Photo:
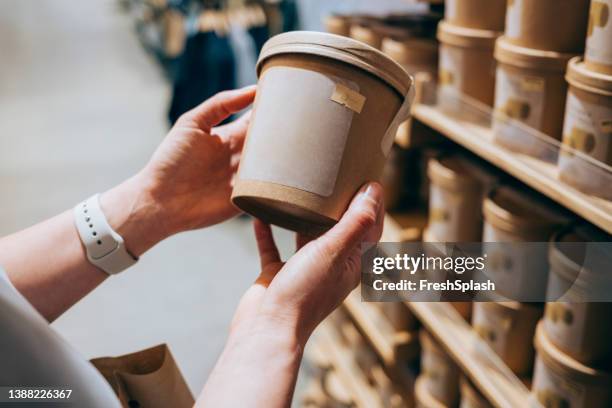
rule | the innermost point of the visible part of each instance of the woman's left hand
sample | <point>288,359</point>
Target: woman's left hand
<point>187,184</point>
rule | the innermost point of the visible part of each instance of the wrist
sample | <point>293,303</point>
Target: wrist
<point>134,214</point>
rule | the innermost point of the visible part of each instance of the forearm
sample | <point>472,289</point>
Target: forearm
<point>47,262</point>
<point>258,368</point>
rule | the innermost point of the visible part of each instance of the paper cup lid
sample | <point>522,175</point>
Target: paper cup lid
<point>453,173</point>
<point>579,76</point>
<point>466,37</point>
<point>339,48</point>
<point>512,210</point>
<point>565,365</point>
<point>398,48</point>
<point>511,54</point>
<point>574,263</point>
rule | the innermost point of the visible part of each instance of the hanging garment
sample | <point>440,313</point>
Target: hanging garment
<point>206,67</point>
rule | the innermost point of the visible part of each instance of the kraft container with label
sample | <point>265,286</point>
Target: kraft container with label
<point>439,371</point>
<point>470,396</point>
<point>325,116</point>
<point>423,397</point>
<point>561,381</point>
<point>516,216</point>
<point>481,14</point>
<point>598,53</point>
<point>413,54</point>
<point>366,34</point>
<point>580,329</point>
<point>456,190</point>
<point>550,25</point>
<point>466,62</point>
<point>588,129</point>
<point>338,24</point>
<point>508,328</point>
<point>531,89</point>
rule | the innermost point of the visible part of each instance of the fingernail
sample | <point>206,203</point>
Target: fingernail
<point>372,192</point>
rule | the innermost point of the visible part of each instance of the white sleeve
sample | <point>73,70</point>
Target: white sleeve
<point>32,354</point>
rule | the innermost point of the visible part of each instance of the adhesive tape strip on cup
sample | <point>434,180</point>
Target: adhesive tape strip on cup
<point>403,114</point>
<point>105,248</point>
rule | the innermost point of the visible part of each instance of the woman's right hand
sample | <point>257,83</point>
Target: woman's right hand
<point>300,293</point>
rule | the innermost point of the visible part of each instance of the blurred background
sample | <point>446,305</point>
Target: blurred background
<point>88,89</point>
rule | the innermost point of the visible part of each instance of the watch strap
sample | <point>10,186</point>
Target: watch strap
<point>105,247</point>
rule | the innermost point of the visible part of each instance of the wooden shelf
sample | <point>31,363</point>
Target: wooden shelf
<point>476,359</point>
<point>394,348</point>
<point>537,174</point>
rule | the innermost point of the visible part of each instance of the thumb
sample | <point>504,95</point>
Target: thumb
<point>362,220</point>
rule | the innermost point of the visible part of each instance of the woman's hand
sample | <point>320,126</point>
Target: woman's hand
<point>277,315</point>
<point>187,184</point>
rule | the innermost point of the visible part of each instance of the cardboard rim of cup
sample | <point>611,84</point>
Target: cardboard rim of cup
<point>452,172</point>
<point>511,54</point>
<point>342,49</point>
<point>466,37</point>
<point>562,363</point>
<point>579,76</point>
<point>511,210</point>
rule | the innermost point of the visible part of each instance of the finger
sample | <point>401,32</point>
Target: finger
<point>234,133</point>
<point>218,108</point>
<point>362,216</point>
<point>268,252</point>
<point>302,239</point>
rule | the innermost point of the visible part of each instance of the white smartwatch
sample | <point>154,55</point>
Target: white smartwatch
<point>105,248</point>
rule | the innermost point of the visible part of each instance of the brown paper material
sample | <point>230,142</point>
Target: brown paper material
<point>348,97</point>
<point>481,14</point>
<point>561,381</point>
<point>306,155</point>
<point>550,25</point>
<point>149,377</point>
<point>466,61</point>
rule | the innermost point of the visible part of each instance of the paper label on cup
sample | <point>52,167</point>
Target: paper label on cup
<point>298,133</point>
<point>587,128</point>
<point>349,98</point>
<point>553,390</point>
<point>492,327</point>
<point>513,18</point>
<point>599,35</point>
<point>564,324</point>
<point>518,97</point>
<point>449,73</point>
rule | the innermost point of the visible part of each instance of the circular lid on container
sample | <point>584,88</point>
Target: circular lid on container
<point>514,211</point>
<point>341,49</point>
<point>466,37</point>
<point>453,173</point>
<point>398,48</point>
<point>565,365</point>
<point>580,254</point>
<point>579,76</point>
<point>422,395</point>
<point>515,55</point>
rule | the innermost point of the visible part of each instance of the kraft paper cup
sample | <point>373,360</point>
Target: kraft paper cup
<point>413,54</point>
<point>530,88</point>
<point>480,14</point>
<point>439,371</point>
<point>456,189</point>
<point>466,62</point>
<point>551,25</point>
<point>508,328</point>
<point>338,24</point>
<point>325,116</point>
<point>598,53</point>
<point>515,216</point>
<point>588,129</point>
<point>560,381</point>
<point>578,328</point>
